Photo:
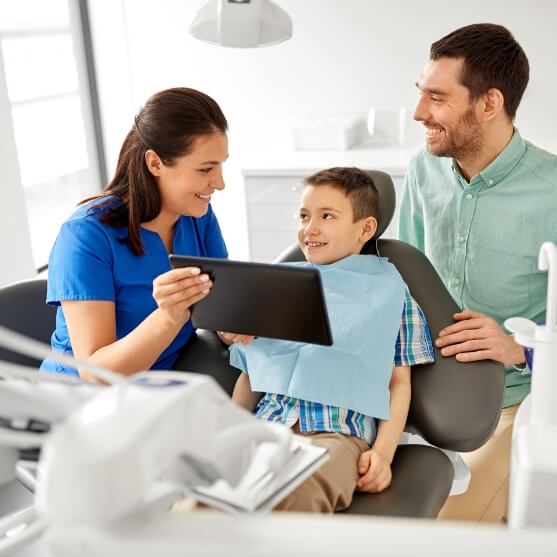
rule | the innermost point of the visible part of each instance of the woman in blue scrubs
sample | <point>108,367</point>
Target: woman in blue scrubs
<point>120,305</point>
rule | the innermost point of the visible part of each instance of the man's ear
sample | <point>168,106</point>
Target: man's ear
<point>369,227</point>
<point>493,103</point>
<point>153,162</point>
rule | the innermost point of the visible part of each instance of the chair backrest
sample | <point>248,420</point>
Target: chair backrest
<point>23,309</point>
<point>454,405</point>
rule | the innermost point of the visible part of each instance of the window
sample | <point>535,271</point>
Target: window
<point>50,89</point>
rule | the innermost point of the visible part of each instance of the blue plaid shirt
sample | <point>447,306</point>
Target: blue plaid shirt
<point>413,346</point>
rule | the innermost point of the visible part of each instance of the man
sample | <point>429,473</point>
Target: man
<point>479,201</point>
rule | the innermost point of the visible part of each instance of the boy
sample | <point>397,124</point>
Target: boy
<point>337,394</point>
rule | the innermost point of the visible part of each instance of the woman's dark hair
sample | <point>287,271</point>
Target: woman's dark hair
<point>169,123</point>
<point>492,59</point>
<point>356,184</point>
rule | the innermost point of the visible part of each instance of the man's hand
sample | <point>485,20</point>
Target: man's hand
<point>478,337</point>
<point>231,338</point>
<point>375,472</point>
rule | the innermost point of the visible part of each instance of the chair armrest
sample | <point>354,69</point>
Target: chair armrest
<point>454,405</point>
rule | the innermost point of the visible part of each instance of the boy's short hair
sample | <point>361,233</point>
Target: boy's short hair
<point>356,184</point>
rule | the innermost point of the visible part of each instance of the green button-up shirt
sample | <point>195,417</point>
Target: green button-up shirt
<point>484,237</point>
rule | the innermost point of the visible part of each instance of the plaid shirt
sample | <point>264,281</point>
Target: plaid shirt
<point>413,346</point>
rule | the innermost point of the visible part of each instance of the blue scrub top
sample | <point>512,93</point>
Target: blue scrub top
<point>90,261</point>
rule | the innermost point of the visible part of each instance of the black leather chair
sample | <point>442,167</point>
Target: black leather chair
<point>23,309</point>
<point>455,406</point>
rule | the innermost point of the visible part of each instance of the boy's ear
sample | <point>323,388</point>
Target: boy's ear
<point>153,162</point>
<point>369,227</point>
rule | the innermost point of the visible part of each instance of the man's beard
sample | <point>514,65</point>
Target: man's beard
<point>465,139</point>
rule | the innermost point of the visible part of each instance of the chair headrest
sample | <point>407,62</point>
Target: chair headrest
<point>386,189</point>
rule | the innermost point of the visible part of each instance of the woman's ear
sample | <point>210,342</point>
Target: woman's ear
<point>153,162</point>
<point>369,227</point>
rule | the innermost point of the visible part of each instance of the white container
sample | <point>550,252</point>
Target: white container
<point>331,133</point>
<point>387,126</point>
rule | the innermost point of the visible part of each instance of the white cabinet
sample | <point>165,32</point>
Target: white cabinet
<point>273,207</point>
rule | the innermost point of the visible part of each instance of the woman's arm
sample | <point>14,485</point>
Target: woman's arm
<point>92,324</point>
<point>375,464</point>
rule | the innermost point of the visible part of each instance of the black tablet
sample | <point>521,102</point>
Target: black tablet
<point>260,299</point>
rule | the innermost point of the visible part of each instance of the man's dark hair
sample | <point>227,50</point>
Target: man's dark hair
<point>492,59</point>
<point>356,184</point>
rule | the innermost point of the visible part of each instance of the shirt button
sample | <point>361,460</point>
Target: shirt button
<point>469,196</point>
<point>456,280</point>
<point>490,182</point>
<point>461,238</point>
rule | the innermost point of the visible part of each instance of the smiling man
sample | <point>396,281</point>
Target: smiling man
<point>479,201</point>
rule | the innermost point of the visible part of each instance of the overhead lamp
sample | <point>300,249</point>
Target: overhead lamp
<point>241,23</point>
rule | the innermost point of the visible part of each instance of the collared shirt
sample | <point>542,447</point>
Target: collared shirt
<point>483,237</point>
<point>413,346</point>
<point>90,261</point>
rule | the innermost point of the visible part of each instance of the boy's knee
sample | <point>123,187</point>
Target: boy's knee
<point>306,499</point>
<point>316,495</point>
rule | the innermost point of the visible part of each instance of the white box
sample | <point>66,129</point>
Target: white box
<point>331,133</point>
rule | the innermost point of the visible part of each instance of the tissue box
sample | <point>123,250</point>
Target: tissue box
<point>333,133</point>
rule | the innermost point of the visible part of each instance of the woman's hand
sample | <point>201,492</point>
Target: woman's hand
<point>231,338</point>
<point>177,290</point>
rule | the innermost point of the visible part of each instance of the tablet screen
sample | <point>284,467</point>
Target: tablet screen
<point>260,299</point>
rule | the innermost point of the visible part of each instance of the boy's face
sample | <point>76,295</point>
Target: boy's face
<point>327,231</point>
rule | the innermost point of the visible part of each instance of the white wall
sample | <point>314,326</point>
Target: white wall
<point>345,56</point>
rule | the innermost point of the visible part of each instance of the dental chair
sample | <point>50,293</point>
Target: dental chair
<point>23,309</point>
<point>455,406</point>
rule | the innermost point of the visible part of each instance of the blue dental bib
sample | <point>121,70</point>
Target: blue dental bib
<point>365,297</point>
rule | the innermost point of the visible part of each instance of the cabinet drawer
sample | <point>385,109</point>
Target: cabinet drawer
<point>274,217</point>
<point>274,189</point>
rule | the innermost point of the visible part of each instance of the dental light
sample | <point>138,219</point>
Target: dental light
<point>241,23</point>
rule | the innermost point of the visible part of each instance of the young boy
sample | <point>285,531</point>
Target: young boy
<point>352,397</point>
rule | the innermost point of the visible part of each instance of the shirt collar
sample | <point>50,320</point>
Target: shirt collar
<point>505,161</point>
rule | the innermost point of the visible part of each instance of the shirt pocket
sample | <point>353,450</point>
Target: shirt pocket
<point>497,282</point>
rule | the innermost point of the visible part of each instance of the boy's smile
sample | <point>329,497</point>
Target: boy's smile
<point>327,231</point>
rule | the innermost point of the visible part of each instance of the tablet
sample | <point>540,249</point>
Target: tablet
<point>260,299</point>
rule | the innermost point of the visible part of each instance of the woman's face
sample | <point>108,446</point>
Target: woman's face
<point>186,186</point>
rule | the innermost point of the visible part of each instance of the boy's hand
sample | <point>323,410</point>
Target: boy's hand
<point>231,338</point>
<point>375,472</point>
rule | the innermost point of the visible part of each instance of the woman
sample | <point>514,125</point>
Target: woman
<point>120,305</point>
